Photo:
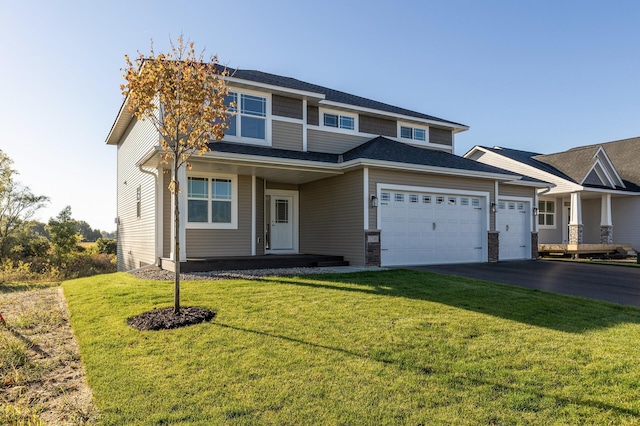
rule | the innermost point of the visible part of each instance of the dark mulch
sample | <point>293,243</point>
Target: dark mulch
<point>164,319</point>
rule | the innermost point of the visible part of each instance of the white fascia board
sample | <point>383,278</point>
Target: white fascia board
<point>597,164</point>
<point>616,176</point>
<point>610,191</point>
<point>456,127</point>
<point>120,124</point>
<point>148,156</point>
<point>427,169</point>
<point>548,177</point>
<point>529,183</point>
<point>274,88</point>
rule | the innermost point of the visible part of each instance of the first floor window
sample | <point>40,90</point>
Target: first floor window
<point>547,213</point>
<point>209,200</point>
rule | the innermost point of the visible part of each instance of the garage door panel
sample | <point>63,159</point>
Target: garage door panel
<point>427,228</point>
<point>512,223</point>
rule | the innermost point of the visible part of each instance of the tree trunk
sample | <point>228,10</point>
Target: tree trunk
<point>176,241</point>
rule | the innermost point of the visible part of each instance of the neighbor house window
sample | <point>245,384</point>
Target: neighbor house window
<point>339,121</point>
<point>415,133</point>
<point>211,201</point>
<point>547,213</point>
<point>250,119</point>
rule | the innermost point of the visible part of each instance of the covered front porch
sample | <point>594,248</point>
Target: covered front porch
<point>587,250</point>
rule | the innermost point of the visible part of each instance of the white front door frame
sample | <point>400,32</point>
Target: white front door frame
<point>295,217</point>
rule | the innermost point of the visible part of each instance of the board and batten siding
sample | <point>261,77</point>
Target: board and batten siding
<point>136,235</point>
<point>440,136</point>
<point>378,126</point>
<point>332,142</point>
<point>429,181</point>
<point>286,135</point>
<point>286,107</point>
<point>225,242</point>
<point>332,218</point>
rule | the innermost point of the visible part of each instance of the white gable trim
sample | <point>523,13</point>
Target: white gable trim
<point>603,158</point>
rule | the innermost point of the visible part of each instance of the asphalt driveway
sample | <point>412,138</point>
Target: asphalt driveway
<point>611,283</point>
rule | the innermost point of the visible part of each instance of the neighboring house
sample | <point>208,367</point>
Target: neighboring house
<point>595,196</point>
<point>311,170</point>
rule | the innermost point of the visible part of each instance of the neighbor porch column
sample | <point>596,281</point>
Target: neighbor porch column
<point>575,221</point>
<point>182,203</point>
<point>606,225</point>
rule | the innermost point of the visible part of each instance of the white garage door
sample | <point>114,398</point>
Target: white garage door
<point>428,228</point>
<point>512,221</point>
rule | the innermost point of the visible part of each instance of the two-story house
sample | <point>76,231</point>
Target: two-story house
<point>311,170</point>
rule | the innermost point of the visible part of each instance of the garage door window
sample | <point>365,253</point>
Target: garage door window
<point>399,198</point>
<point>426,199</point>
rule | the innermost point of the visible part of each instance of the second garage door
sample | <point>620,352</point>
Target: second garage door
<point>430,228</point>
<point>512,221</point>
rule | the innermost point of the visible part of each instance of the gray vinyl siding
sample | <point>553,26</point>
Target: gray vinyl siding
<point>313,115</point>
<point>553,236</point>
<point>378,126</point>
<point>332,142</point>
<point>625,215</point>
<point>516,191</point>
<point>225,242</point>
<point>136,235</point>
<point>280,185</point>
<point>167,215</point>
<point>287,135</point>
<point>260,216</point>
<point>286,107</point>
<point>331,217</point>
<point>440,136</point>
<point>591,221</point>
<point>426,180</point>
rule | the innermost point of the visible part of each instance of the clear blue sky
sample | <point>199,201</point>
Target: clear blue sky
<point>536,75</point>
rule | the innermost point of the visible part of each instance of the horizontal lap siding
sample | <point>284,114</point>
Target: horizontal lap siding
<point>225,242</point>
<point>591,221</point>
<point>313,115</point>
<point>424,180</point>
<point>552,236</point>
<point>516,191</point>
<point>287,135</point>
<point>167,215</point>
<point>332,142</point>
<point>331,217</point>
<point>625,214</point>
<point>136,235</point>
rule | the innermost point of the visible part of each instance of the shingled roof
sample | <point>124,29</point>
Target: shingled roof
<point>379,148</point>
<point>330,94</point>
<point>574,164</point>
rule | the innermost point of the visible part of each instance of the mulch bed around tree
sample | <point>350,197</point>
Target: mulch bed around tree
<point>164,319</point>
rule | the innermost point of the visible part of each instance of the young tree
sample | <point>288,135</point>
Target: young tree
<point>64,236</point>
<point>17,204</point>
<point>182,94</point>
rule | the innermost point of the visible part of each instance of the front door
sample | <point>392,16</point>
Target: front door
<point>281,226</point>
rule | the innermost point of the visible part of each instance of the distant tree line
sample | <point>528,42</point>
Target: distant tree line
<point>33,249</point>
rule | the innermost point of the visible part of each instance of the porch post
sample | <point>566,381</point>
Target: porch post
<point>182,203</point>
<point>575,221</point>
<point>606,225</point>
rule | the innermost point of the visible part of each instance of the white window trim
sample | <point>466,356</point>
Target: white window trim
<point>268,118</point>
<point>234,202</point>
<point>323,111</point>
<point>555,214</point>
<point>425,142</point>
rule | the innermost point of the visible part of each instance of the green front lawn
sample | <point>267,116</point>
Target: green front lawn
<point>391,347</point>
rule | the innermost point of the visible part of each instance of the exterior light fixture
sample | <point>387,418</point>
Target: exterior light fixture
<point>493,208</point>
<point>535,211</point>
<point>374,201</point>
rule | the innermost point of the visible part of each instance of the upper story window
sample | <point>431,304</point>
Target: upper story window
<point>250,119</point>
<point>413,133</point>
<point>339,121</point>
<point>212,202</point>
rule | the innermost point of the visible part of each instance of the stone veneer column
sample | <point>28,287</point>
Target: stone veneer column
<point>575,234</point>
<point>494,246</point>
<point>534,245</point>
<point>372,247</point>
<point>606,234</point>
